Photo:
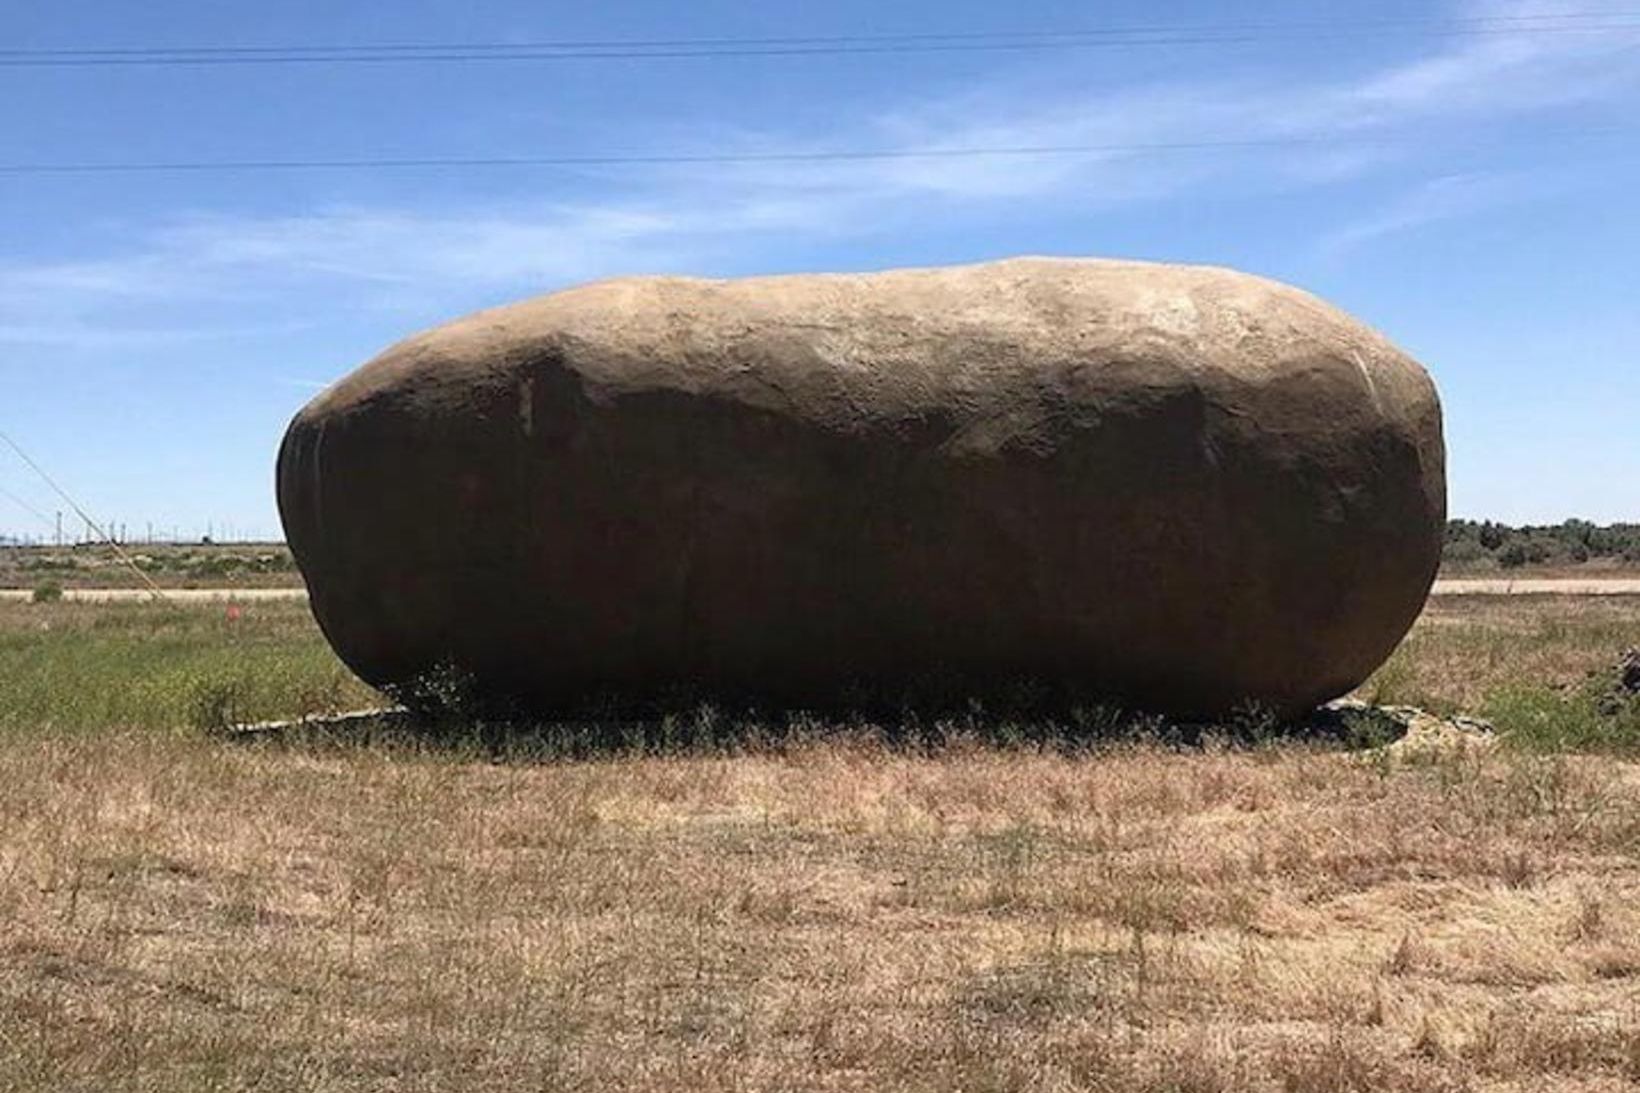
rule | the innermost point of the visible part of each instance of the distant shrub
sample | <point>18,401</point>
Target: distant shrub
<point>48,592</point>
<point>212,567</point>
<point>51,562</point>
<point>1466,552</point>
<point>1520,550</point>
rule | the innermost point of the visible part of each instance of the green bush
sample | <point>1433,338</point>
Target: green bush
<point>1465,552</point>
<point>48,592</point>
<point>1522,551</point>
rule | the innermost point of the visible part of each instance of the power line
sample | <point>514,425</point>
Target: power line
<point>22,504</point>
<point>720,158</point>
<point>153,588</point>
<point>1456,23</point>
<point>1585,22</point>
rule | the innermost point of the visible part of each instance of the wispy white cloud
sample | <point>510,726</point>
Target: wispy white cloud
<point>76,333</point>
<point>1444,198</point>
<point>690,216</point>
<point>299,382</point>
<point>384,253</point>
<point>1337,126</point>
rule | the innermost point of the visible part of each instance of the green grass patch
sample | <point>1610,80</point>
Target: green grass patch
<point>1589,718</point>
<point>1539,668</point>
<point>72,666</point>
<point>1470,654</point>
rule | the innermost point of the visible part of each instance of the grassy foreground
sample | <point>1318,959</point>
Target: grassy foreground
<point>91,667</point>
<point>827,912</point>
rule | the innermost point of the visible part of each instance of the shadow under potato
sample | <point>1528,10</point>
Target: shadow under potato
<point>611,729</point>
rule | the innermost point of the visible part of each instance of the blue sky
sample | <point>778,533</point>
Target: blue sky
<point>1475,194</point>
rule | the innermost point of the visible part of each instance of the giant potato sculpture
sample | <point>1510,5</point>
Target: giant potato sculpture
<point>1181,488</point>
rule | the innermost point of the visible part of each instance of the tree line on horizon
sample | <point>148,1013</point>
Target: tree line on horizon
<point>1470,544</point>
<point>1481,544</point>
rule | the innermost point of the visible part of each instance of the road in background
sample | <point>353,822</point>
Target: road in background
<point>178,595</point>
<point>1538,586</point>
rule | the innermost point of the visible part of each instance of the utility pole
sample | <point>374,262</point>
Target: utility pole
<point>59,527</point>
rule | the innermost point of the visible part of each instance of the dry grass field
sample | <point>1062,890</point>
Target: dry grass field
<point>814,907</point>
